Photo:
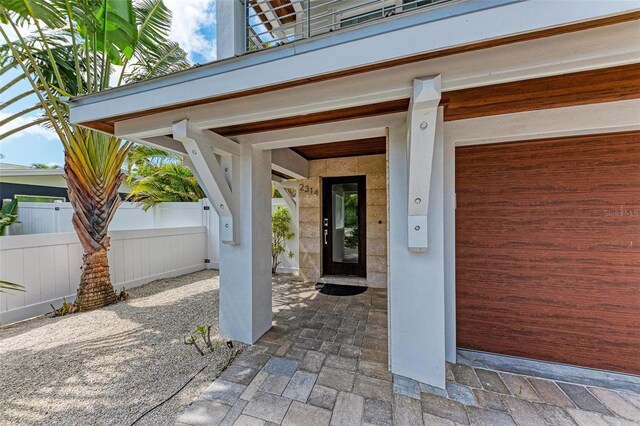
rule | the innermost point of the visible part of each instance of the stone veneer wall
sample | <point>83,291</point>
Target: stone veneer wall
<point>310,198</point>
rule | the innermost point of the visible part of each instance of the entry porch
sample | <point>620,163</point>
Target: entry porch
<point>518,267</point>
<point>325,362</point>
<point>397,155</point>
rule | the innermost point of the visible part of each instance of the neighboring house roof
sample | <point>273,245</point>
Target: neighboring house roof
<point>5,172</point>
<point>10,166</point>
<point>27,175</point>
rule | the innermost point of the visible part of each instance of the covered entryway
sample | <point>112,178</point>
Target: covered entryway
<point>548,250</point>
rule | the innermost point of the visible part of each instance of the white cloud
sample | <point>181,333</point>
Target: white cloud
<point>115,75</point>
<point>190,17</point>
<point>24,31</point>
<point>36,131</point>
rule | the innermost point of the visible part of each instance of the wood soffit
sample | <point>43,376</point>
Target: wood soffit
<point>585,87</point>
<point>351,148</point>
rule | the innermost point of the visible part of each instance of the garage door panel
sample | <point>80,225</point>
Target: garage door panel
<point>500,302</point>
<point>537,313</point>
<point>524,183</point>
<point>547,250</point>
<point>545,264</point>
<point>567,330</point>
<point>563,166</point>
<point>591,152</point>
<point>519,342</point>
<point>609,204</point>
<point>552,234</point>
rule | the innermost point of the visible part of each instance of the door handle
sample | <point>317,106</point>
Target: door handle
<point>326,232</point>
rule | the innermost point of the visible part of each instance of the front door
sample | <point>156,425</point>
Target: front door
<point>344,226</point>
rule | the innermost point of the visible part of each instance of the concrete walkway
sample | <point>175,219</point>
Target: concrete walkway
<point>324,363</point>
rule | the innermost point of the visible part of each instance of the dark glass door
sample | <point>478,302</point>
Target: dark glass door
<point>344,226</point>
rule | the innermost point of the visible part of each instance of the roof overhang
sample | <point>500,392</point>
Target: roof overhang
<point>412,39</point>
<point>31,172</point>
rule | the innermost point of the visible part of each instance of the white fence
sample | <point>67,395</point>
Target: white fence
<point>170,239</point>
<point>45,218</point>
<point>43,253</point>
<point>48,265</point>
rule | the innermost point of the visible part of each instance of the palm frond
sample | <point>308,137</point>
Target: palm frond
<point>165,183</point>
<point>23,12</point>
<point>36,122</point>
<point>165,58</point>
<point>6,286</point>
<point>155,54</point>
<point>140,155</point>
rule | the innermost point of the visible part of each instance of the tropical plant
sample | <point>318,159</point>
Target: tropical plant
<point>202,332</point>
<point>143,155</point>
<point>66,308</point>
<point>73,49</point>
<point>45,166</point>
<point>156,176</point>
<point>8,214</point>
<point>281,232</point>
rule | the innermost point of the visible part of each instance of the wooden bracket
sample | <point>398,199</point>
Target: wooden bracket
<point>422,119</point>
<point>215,177</point>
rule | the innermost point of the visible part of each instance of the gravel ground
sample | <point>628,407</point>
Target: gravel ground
<point>111,365</point>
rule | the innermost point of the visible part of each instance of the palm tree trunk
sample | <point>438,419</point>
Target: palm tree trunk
<point>95,289</point>
<point>93,193</point>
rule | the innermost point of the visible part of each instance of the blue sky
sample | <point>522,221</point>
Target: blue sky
<point>193,27</point>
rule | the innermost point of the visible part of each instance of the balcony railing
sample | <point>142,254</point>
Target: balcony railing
<point>270,23</point>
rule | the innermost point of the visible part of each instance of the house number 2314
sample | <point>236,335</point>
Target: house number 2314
<point>308,189</point>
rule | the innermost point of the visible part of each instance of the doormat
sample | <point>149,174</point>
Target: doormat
<point>340,290</point>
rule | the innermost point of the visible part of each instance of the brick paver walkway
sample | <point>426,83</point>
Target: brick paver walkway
<point>324,363</point>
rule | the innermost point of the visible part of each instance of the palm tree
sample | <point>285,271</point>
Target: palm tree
<point>73,49</point>
<point>157,177</point>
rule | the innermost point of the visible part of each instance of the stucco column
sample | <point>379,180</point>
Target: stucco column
<point>416,279</point>
<point>450,246</point>
<point>245,268</point>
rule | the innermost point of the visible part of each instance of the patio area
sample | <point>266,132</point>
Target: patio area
<point>324,363</point>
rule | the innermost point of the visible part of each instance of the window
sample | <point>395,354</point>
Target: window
<point>413,4</point>
<point>358,19</point>
<point>38,198</point>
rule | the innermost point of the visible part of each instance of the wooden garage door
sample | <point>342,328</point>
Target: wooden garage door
<point>548,250</point>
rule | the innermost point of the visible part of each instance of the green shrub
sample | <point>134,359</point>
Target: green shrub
<point>8,215</point>
<point>281,232</point>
